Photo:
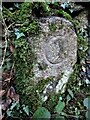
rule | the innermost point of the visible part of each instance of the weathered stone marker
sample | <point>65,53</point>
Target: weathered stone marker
<point>56,51</point>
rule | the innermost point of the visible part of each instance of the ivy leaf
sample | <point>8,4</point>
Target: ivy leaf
<point>86,103</point>
<point>14,104</point>
<point>26,109</point>
<point>41,112</point>
<point>64,5</point>
<point>60,106</point>
<point>16,5</point>
<point>18,34</point>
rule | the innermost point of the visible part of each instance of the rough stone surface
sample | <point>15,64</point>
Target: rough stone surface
<point>56,50</point>
<point>83,19</point>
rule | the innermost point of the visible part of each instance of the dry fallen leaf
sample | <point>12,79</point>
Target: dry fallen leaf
<point>2,92</point>
<point>5,75</point>
<point>12,48</point>
<point>88,61</point>
<point>8,101</point>
<point>11,92</point>
<point>8,79</point>
<point>1,117</point>
<point>4,105</point>
<point>16,97</point>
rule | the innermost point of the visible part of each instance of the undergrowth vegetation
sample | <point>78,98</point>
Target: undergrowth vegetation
<point>21,21</point>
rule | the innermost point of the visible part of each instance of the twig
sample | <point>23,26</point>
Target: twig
<point>10,25</point>
<point>12,68</point>
<point>6,41</point>
<point>5,45</point>
<point>75,116</point>
<point>18,25</point>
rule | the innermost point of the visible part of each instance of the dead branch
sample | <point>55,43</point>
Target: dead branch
<point>6,40</point>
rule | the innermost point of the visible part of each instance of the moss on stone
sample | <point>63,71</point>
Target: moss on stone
<point>31,91</point>
<point>52,27</point>
<point>82,42</point>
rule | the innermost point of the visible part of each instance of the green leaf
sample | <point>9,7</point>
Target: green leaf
<point>26,110</point>
<point>65,14</point>
<point>16,5</point>
<point>18,35</point>
<point>70,93</point>
<point>87,81</point>
<point>60,106</point>
<point>68,98</point>
<point>88,115</point>
<point>86,103</point>
<point>14,104</point>
<point>9,113</point>
<point>60,98</point>
<point>41,112</point>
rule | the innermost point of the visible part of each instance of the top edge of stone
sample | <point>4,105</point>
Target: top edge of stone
<point>52,19</point>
